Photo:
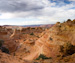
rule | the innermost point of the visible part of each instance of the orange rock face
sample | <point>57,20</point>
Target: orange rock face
<point>49,44</point>
<point>19,42</point>
<point>28,43</point>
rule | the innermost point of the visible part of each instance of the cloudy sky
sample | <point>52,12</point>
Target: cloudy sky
<point>30,12</point>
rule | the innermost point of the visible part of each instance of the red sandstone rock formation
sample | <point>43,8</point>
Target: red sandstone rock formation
<point>49,44</point>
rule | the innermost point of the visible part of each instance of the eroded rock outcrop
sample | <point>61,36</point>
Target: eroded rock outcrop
<point>49,44</point>
<point>6,58</point>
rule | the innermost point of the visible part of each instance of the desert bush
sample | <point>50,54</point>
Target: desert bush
<point>67,49</point>
<point>58,22</point>
<point>74,21</point>
<point>32,33</point>
<point>58,55</point>
<point>68,20</point>
<point>1,42</point>
<point>51,38</point>
<point>42,57</point>
<point>38,36</point>
<point>32,28</point>
<point>5,50</point>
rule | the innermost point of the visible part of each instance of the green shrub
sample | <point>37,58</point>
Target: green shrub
<point>5,50</point>
<point>68,20</point>
<point>1,42</point>
<point>74,21</point>
<point>32,33</point>
<point>51,39</point>
<point>50,58</point>
<point>58,55</point>
<point>32,28</point>
<point>42,57</point>
<point>67,49</point>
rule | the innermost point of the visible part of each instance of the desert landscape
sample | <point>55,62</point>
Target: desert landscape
<point>37,31</point>
<point>51,44</point>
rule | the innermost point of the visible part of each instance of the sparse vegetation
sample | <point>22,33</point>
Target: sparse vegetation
<point>5,50</point>
<point>50,58</point>
<point>74,21</point>
<point>24,40</point>
<point>51,38</point>
<point>58,22</point>
<point>67,49</point>
<point>42,57</point>
<point>58,55</point>
<point>32,33</point>
<point>68,20</point>
<point>32,28</point>
<point>38,36</point>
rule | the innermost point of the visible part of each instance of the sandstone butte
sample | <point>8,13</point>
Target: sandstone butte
<point>57,43</point>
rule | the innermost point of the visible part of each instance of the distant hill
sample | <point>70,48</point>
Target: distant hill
<point>41,25</point>
<point>47,26</point>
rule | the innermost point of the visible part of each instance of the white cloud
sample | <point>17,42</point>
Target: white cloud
<point>43,11</point>
<point>6,16</point>
<point>71,0</point>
